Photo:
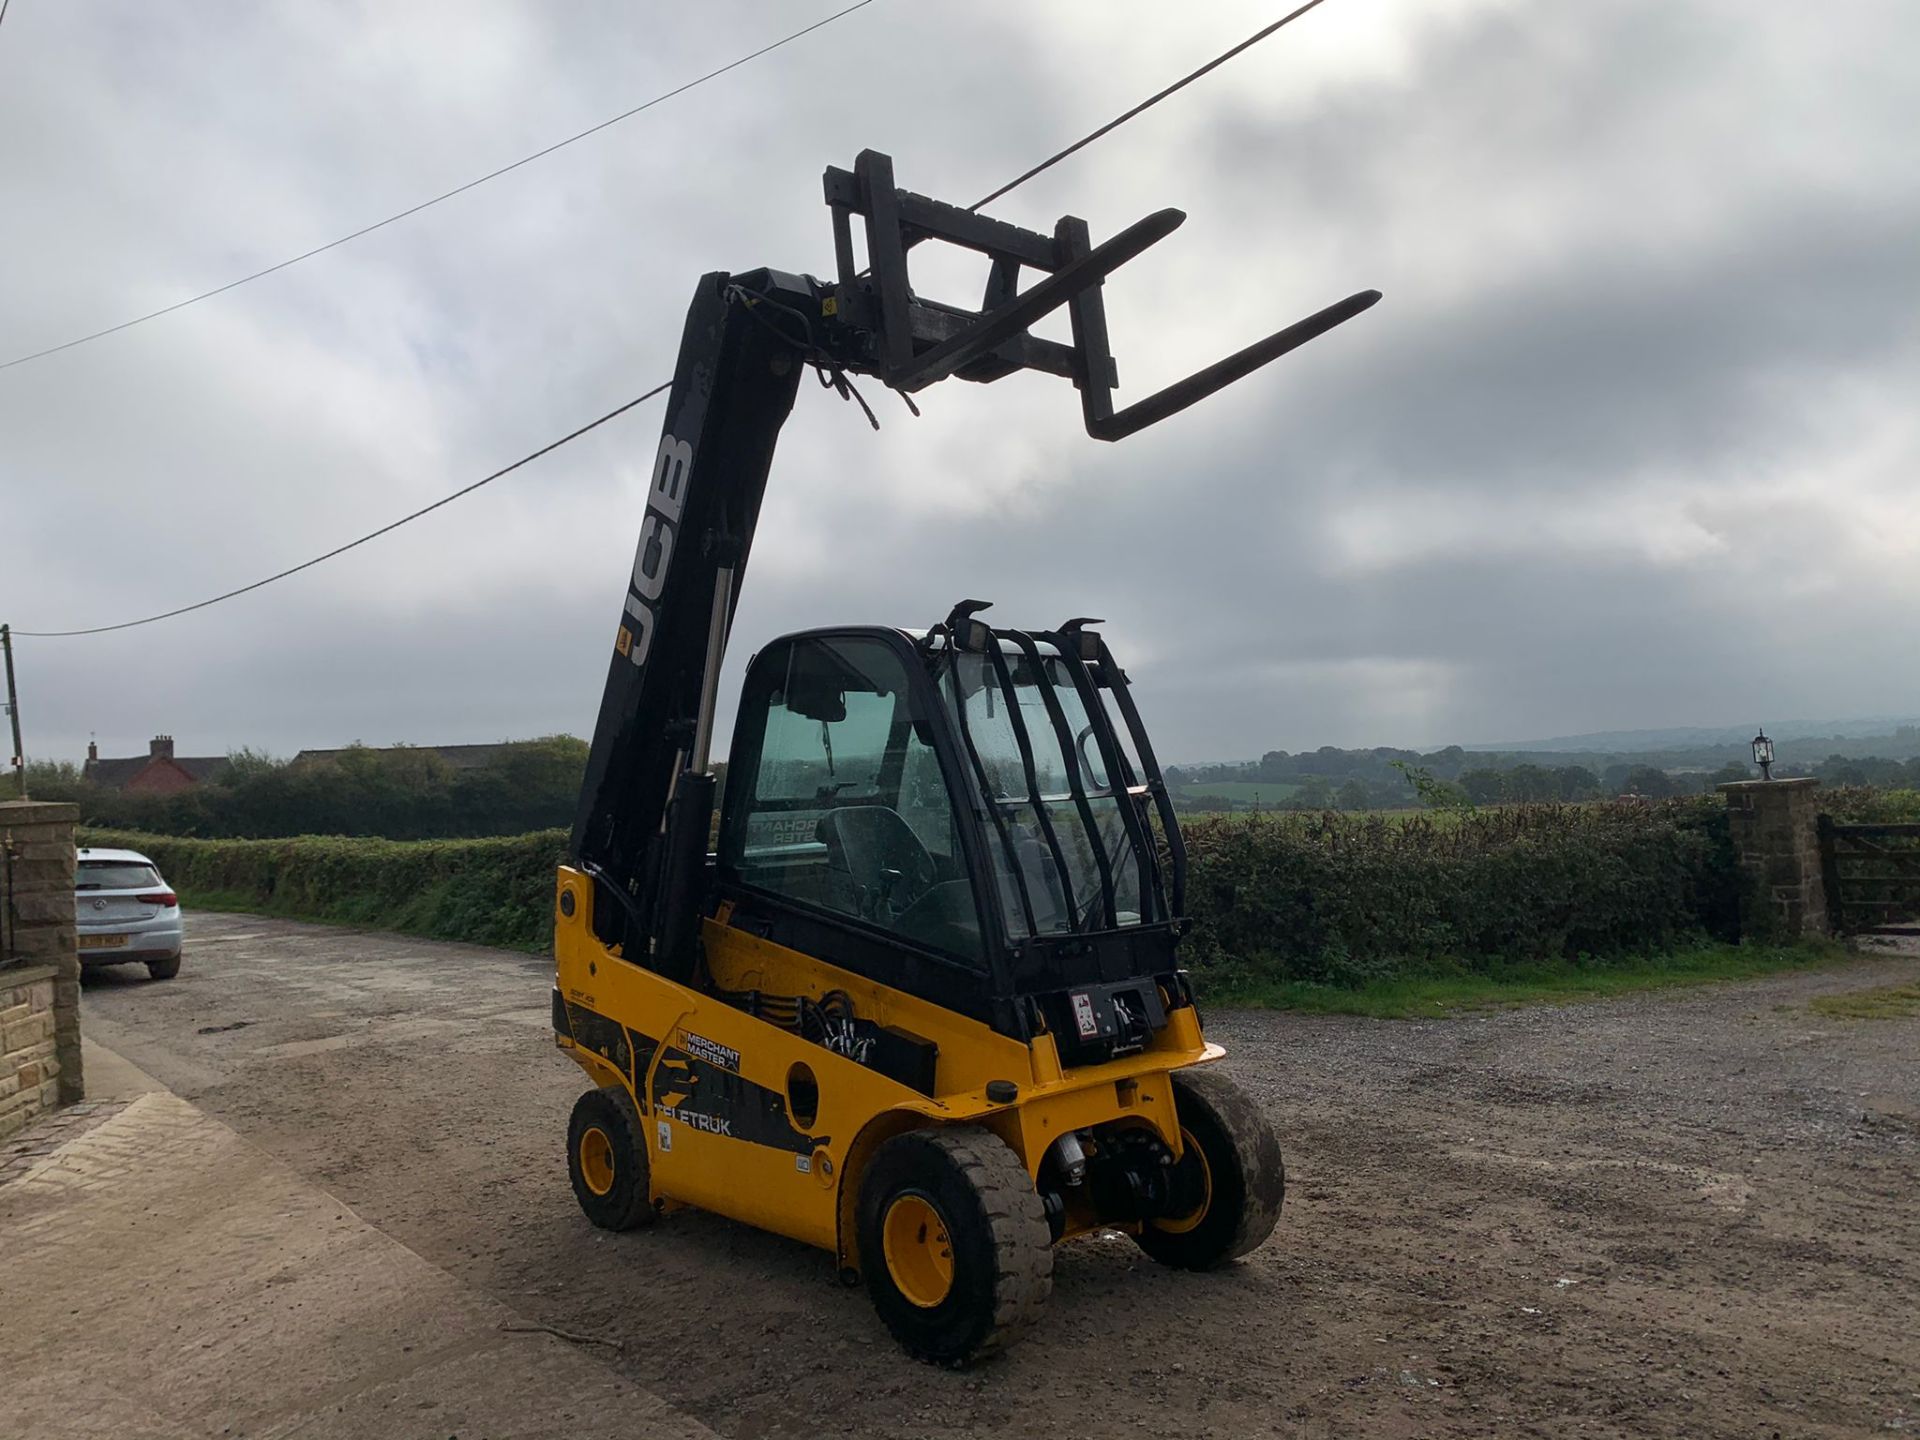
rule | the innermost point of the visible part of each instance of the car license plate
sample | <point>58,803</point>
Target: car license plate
<point>101,942</point>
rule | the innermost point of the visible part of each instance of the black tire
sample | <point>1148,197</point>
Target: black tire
<point>607,1160</point>
<point>163,969</point>
<point>1000,1251</point>
<point>1246,1180</point>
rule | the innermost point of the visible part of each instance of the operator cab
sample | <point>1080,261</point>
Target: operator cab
<point>967,814</point>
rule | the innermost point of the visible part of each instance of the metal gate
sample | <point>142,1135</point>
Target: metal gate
<point>1872,877</point>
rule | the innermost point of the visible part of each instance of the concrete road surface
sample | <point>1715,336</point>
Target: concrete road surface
<point>1689,1213</point>
<point>164,1279</point>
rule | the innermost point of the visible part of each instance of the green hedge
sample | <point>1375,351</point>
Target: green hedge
<point>490,892</point>
<point>1343,900</point>
<point>1329,899</point>
<point>1866,805</point>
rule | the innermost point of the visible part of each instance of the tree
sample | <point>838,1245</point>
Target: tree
<point>246,764</point>
<point>1575,782</point>
<point>1434,794</point>
<point>1530,784</point>
<point>47,780</point>
<point>1727,774</point>
<point>1314,793</point>
<point>1484,786</point>
<point>403,794</point>
<point>1838,770</point>
<point>1274,765</point>
<point>1351,796</point>
<point>1653,783</point>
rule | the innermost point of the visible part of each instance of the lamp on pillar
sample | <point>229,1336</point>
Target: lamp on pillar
<point>1763,755</point>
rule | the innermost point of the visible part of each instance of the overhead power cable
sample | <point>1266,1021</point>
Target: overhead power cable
<point>353,544</point>
<point>427,204</point>
<point>1013,184</point>
<point>1146,104</point>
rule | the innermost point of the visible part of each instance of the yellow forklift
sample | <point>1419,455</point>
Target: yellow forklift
<point>922,1006</point>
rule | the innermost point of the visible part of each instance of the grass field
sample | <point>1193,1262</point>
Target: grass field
<point>1889,1002</point>
<point>1438,817</point>
<point>1240,792</point>
<point>1414,997</point>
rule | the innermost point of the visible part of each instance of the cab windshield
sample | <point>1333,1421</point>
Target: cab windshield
<point>1070,851</point>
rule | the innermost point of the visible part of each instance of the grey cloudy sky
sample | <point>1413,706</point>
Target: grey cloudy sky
<point>1631,441</point>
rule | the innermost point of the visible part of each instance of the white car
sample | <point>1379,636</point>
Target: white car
<point>125,914</point>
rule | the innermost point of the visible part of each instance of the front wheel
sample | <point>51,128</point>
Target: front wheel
<point>1232,1161</point>
<point>607,1160</point>
<point>954,1244</point>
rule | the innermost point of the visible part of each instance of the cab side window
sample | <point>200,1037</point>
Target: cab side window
<point>841,802</point>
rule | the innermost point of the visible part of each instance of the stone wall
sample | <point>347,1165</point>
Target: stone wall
<point>1776,832</point>
<point>39,965</point>
<point>29,1059</point>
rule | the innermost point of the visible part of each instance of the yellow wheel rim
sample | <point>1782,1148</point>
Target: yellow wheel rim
<point>1181,1224</point>
<point>596,1159</point>
<point>918,1252</point>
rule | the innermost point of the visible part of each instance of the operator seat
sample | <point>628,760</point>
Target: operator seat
<point>874,855</point>
<point>1044,893</point>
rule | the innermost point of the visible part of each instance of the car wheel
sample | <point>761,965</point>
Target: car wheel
<point>164,969</point>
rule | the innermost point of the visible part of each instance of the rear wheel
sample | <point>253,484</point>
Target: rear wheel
<point>954,1244</point>
<point>1232,1161</point>
<point>607,1160</point>
<point>163,969</point>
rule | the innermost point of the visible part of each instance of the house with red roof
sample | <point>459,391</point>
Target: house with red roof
<point>158,772</point>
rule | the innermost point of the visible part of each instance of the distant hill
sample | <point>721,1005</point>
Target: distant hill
<point>1678,760</point>
<point>1631,742</point>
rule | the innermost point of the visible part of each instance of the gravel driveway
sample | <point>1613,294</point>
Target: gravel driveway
<point>1689,1213</point>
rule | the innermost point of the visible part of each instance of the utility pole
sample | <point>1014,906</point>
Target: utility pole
<point>13,712</point>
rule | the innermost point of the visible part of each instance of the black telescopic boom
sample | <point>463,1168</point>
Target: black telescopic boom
<point>732,391</point>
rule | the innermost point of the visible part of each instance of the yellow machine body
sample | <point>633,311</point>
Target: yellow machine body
<point>749,1120</point>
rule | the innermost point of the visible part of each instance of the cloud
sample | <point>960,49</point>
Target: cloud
<point>1630,441</point>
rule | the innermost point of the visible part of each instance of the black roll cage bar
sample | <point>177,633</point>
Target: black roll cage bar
<point>1162,891</point>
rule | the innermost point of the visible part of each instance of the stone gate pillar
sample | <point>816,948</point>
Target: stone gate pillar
<point>39,965</point>
<point>1775,827</point>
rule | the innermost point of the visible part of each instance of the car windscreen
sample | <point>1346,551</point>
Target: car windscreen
<point>115,875</point>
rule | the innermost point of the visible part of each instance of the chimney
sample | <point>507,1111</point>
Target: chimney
<point>161,748</point>
<point>93,752</point>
